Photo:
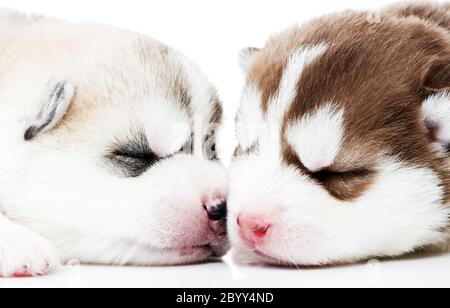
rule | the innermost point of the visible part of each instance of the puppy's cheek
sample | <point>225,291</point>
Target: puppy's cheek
<point>179,222</point>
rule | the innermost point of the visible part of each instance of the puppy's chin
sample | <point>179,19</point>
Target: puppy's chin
<point>188,255</point>
<point>247,256</point>
<point>182,255</point>
<point>148,256</point>
<point>212,248</point>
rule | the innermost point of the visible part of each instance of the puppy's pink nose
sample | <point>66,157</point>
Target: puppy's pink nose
<point>253,230</point>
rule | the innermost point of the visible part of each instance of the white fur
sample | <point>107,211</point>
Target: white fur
<point>247,57</point>
<point>249,118</point>
<point>60,185</point>
<point>317,137</point>
<point>436,111</point>
<point>23,252</point>
<point>119,221</point>
<point>402,211</point>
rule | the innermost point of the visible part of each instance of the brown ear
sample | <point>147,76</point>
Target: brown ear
<point>437,78</point>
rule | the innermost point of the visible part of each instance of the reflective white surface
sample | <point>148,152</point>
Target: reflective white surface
<point>416,271</point>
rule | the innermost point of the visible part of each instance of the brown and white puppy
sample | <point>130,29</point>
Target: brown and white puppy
<point>107,150</point>
<point>343,133</point>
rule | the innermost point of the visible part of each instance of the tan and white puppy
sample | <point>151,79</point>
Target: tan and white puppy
<point>343,133</point>
<point>107,150</point>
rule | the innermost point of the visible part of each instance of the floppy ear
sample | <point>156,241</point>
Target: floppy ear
<point>55,104</point>
<point>436,107</point>
<point>246,58</point>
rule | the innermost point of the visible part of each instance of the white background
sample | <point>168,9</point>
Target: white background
<point>211,32</point>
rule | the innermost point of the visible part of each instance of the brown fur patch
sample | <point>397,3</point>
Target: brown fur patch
<point>438,14</point>
<point>378,69</point>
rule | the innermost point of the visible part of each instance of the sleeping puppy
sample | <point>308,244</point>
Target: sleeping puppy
<point>344,131</point>
<point>108,151</point>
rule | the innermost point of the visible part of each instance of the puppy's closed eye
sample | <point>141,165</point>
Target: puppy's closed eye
<point>133,157</point>
<point>330,174</point>
<point>135,162</point>
<point>344,185</point>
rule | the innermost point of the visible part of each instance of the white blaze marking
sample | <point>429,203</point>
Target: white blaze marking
<point>298,61</point>
<point>251,124</point>
<point>281,102</point>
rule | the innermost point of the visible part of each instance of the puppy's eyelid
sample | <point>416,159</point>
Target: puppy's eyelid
<point>331,172</point>
<point>133,156</point>
<point>136,154</point>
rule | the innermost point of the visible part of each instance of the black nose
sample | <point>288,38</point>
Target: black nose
<point>217,212</point>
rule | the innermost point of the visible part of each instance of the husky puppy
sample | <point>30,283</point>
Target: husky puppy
<point>107,150</point>
<point>344,132</point>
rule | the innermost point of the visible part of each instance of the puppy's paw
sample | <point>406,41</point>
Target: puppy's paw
<point>24,253</point>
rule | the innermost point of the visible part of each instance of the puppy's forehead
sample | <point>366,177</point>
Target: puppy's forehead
<point>366,87</point>
<point>151,86</point>
<point>368,58</point>
<point>180,81</point>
